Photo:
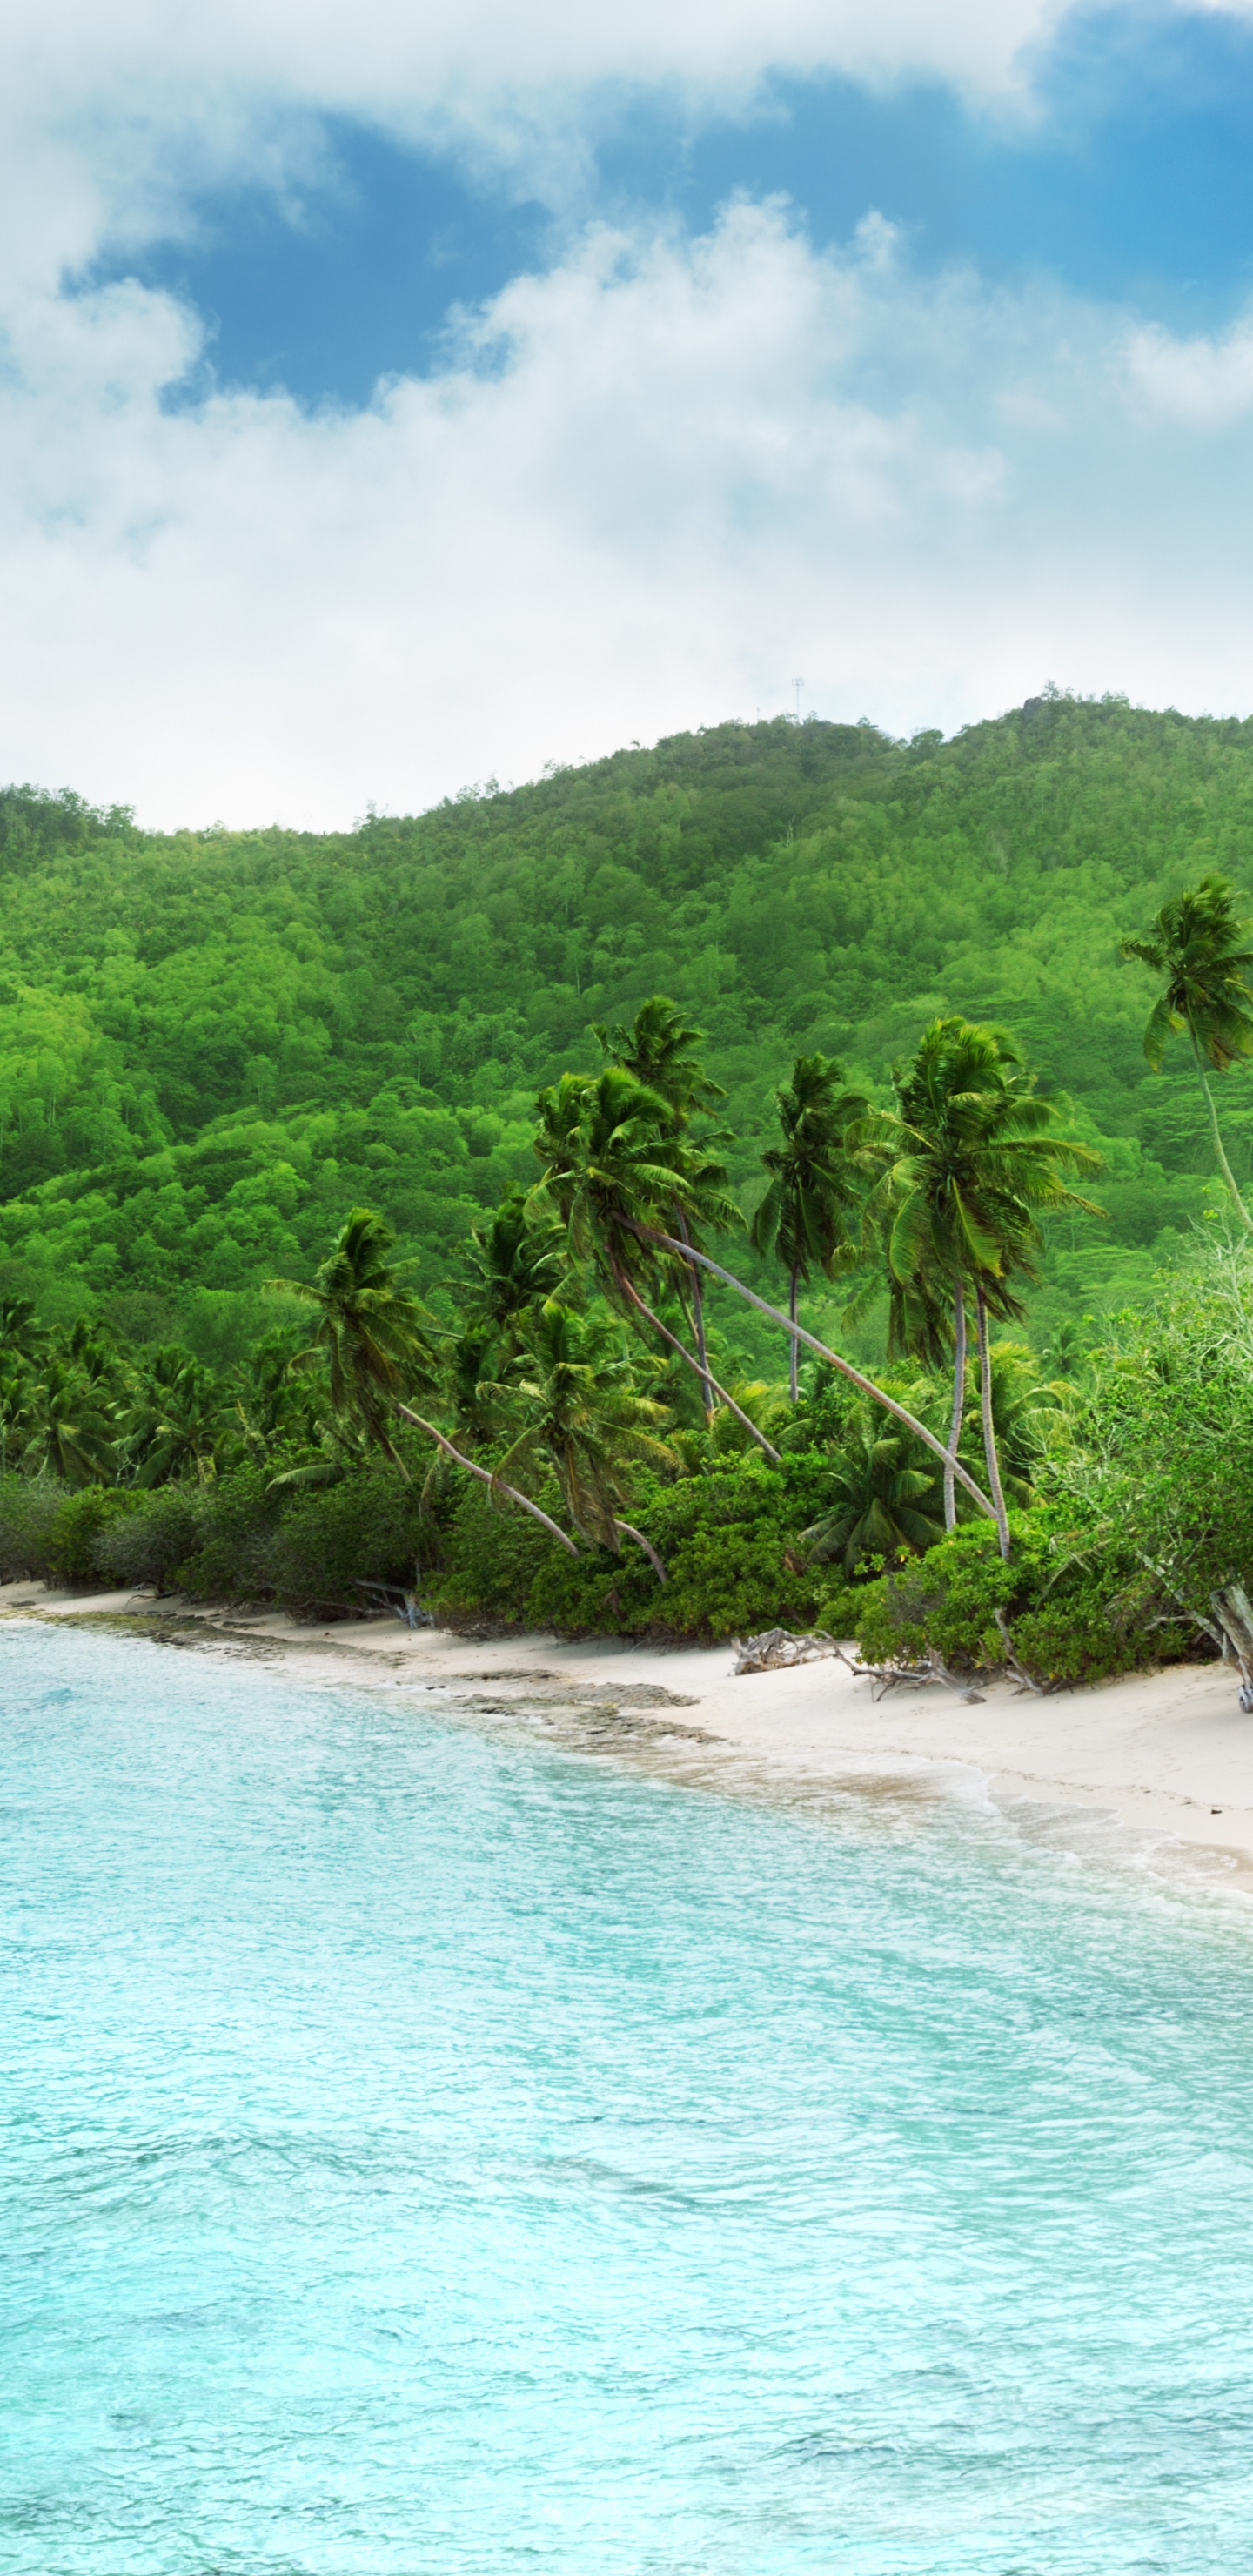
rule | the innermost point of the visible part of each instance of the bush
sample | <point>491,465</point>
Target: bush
<point>236,1520</point>
<point>727,1539</point>
<point>1077,1607</point>
<point>151,1541</point>
<point>370,1526</point>
<point>73,1539</point>
<point>28,1515</point>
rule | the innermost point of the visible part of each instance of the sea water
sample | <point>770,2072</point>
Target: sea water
<point>430,2153</point>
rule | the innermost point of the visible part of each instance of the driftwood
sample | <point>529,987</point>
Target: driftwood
<point>774,1650</point>
<point>392,1596</point>
<point>885,1677</point>
<point>1234,1612</point>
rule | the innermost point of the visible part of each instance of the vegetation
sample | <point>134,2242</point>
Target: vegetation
<point>631,1214</point>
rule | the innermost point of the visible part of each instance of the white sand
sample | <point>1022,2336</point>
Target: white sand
<point>1168,1753</point>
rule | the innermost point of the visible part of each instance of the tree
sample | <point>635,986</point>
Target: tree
<point>375,1340</point>
<point>816,1179</point>
<point>661,1050</point>
<point>583,1417</point>
<point>1197,943</point>
<point>614,1159</point>
<point>178,1418</point>
<point>971,1154</point>
<point>613,1168</point>
<point>882,1505</point>
<point>372,1338</point>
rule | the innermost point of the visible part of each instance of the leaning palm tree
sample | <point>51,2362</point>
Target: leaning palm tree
<point>583,1418</point>
<point>613,1171</point>
<point>816,1178</point>
<point>375,1339</point>
<point>611,1152</point>
<point>1197,943</point>
<point>971,1156</point>
<point>662,1050</point>
<point>372,1338</point>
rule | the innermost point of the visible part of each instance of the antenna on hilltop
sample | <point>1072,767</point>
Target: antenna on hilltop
<point>798,685</point>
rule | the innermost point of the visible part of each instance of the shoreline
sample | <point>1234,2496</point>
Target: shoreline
<point>1166,1755</point>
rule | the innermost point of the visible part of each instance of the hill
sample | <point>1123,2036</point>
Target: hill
<point>212,1043</point>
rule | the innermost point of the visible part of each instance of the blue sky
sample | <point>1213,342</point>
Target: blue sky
<point>1130,179</point>
<point>393,397</point>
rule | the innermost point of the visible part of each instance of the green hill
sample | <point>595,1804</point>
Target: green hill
<point>212,1043</point>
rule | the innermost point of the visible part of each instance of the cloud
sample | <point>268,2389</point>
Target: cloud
<point>1206,382</point>
<point>643,492</point>
<point>111,119</point>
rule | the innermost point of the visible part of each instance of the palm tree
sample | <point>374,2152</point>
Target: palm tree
<point>583,1417</point>
<point>613,1170</point>
<point>815,1181</point>
<point>1197,943</point>
<point>374,1340</point>
<point>661,1050</point>
<point>69,1432</point>
<point>179,1418</point>
<point>970,1154</point>
<point>881,1505</point>
<point>612,1154</point>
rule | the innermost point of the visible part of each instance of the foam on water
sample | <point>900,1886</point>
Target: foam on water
<point>424,2153</point>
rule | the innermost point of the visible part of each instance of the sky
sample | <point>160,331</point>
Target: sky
<point>396,397</point>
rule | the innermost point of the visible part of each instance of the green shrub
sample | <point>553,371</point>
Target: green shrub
<point>236,1520</point>
<point>149,1543</point>
<point>492,1558</point>
<point>727,1540</point>
<point>28,1515</point>
<point>74,1535</point>
<point>370,1526</point>
<point>1077,1607</point>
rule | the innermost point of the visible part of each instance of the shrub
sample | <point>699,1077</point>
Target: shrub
<point>370,1526</point>
<point>74,1535</point>
<point>28,1515</point>
<point>148,1543</point>
<point>236,1520</point>
<point>1076,1605</point>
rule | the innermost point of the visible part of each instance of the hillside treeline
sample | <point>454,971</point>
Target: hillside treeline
<point>213,1043</point>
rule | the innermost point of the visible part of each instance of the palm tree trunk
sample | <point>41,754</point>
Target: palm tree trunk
<point>698,1322</point>
<point>1219,1149</point>
<point>866,1385</point>
<point>628,1531</point>
<point>959,1400</point>
<point>684,1354</point>
<point>486,1477</point>
<point>794,1356</point>
<point>989,1429</point>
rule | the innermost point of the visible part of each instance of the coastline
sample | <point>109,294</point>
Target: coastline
<point>1166,1755</point>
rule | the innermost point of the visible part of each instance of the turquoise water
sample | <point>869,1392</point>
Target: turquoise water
<point>427,2154</point>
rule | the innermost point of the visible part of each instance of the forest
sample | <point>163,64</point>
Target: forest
<point>244,1076</point>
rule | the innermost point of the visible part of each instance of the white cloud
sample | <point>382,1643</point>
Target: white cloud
<point>647,489</point>
<point>1206,382</point>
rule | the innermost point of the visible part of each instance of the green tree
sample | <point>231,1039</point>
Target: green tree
<point>613,1169</point>
<point>817,1178</point>
<point>662,1049</point>
<point>372,1338</point>
<point>883,1502</point>
<point>1200,947</point>
<point>971,1155</point>
<point>584,1419</point>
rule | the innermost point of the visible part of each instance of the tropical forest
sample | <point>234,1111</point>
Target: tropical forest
<point>785,1177</point>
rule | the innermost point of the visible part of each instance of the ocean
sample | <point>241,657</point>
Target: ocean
<point>427,2153</point>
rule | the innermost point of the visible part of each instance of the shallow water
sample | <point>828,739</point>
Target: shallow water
<point>430,2154</point>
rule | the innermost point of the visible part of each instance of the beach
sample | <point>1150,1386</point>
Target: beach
<point>1166,1754</point>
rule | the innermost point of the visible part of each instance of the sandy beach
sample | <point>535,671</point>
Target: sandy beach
<point>1167,1754</point>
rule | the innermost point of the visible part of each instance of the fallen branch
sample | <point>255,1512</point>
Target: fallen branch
<point>776,1650</point>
